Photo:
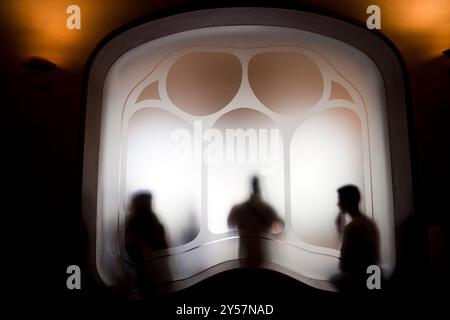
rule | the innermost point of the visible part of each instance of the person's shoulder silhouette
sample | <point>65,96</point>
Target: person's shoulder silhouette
<point>252,219</point>
<point>360,238</point>
<point>253,214</point>
<point>143,232</point>
<point>359,244</point>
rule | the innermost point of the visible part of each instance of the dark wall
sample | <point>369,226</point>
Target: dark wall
<point>43,118</point>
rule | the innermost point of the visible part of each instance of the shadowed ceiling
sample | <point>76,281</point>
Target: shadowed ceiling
<point>420,29</point>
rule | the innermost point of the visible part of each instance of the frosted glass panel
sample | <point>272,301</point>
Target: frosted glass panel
<point>326,153</point>
<point>253,147</point>
<point>192,116</point>
<point>152,165</point>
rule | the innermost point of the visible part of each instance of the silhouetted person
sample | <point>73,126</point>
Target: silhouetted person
<point>252,218</point>
<point>360,241</point>
<point>144,234</point>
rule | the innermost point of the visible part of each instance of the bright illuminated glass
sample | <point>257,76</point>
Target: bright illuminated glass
<point>192,116</point>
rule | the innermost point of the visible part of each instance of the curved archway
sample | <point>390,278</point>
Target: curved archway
<point>200,67</point>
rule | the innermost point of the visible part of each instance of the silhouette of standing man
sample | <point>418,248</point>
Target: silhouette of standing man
<point>145,234</point>
<point>360,241</point>
<point>252,218</point>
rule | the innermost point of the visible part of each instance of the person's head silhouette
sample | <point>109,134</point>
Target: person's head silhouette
<point>349,198</point>
<point>256,190</point>
<point>141,202</point>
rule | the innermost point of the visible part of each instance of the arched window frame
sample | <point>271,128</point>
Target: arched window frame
<point>375,47</point>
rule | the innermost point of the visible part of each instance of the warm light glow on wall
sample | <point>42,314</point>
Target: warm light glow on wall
<point>42,30</point>
<point>421,15</point>
<point>38,28</point>
<point>420,27</point>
